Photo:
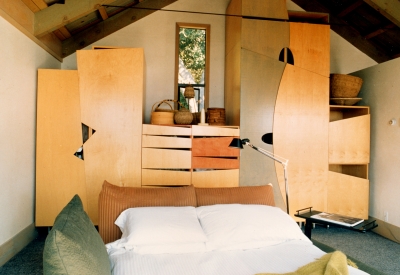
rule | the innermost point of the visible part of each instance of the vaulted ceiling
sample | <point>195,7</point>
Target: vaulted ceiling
<point>63,26</point>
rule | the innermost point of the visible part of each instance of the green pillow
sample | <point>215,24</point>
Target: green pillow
<point>73,246</point>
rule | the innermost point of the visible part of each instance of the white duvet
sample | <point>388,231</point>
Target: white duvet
<point>210,240</point>
<point>281,258</point>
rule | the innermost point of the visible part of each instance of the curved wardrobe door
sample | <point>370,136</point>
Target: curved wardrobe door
<point>301,136</point>
<point>260,78</point>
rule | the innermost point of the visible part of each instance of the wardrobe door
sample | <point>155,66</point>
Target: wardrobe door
<point>300,130</point>
<point>111,92</point>
<point>59,173</point>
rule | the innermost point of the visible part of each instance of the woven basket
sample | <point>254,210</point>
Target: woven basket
<point>344,86</point>
<point>216,116</point>
<point>162,116</point>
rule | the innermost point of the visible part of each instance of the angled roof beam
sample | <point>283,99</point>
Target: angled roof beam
<point>102,11</point>
<point>388,8</point>
<point>340,26</point>
<point>35,5</point>
<point>350,8</point>
<point>379,31</point>
<point>58,15</point>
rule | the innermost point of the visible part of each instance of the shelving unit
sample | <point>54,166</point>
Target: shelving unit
<point>349,157</point>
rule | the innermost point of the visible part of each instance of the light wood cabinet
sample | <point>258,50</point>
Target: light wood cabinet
<point>349,157</point>
<point>277,81</point>
<point>184,155</point>
<point>59,173</point>
<point>106,95</point>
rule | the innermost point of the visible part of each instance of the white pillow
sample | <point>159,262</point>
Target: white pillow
<point>236,226</point>
<point>155,230</point>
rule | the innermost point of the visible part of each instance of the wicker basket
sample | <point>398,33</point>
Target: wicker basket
<point>183,116</point>
<point>162,116</point>
<point>216,116</point>
<point>344,86</point>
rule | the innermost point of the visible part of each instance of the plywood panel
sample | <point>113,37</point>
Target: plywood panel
<point>218,147</point>
<point>220,131</point>
<point>265,37</point>
<point>310,46</point>
<point>348,195</point>
<point>111,89</point>
<point>349,140</point>
<point>232,86</point>
<point>59,173</point>
<point>301,136</point>
<point>164,130</point>
<point>261,8</point>
<point>166,158</point>
<point>165,177</point>
<point>261,77</point>
<point>216,178</point>
<point>214,163</point>
<point>166,142</point>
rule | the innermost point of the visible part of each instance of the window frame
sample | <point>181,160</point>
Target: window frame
<point>207,28</point>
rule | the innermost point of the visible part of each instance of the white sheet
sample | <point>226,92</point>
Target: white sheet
<point>281,258</point>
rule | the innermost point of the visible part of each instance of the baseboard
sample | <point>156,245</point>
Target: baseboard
<point>10,248</point>
<point>388,230</point>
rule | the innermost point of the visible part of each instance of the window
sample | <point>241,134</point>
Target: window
<point>192,64</point>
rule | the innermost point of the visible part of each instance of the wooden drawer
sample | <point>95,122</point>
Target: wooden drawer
<point>219,131</point>
<point>166,158</point>
<point>166,142</point>
<point>218,146</point>
<point>216,178</point>
<point>166,130</point>
<point>214,163</point>
<point>348,195</point>
<point>165,177</point>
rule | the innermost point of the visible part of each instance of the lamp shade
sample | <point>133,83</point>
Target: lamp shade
<point>236,143</point>
<point>267,138</point>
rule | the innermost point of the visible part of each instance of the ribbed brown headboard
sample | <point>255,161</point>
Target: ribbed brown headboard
<point>243,195</point>
<point>114,199</point>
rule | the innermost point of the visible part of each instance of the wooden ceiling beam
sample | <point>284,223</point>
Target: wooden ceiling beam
<point>350,8</point>
<point>379,31</point>
<point>388,8</point>
<point>58,15</point>
<point>111,25</point>
<point>340,26</point>
<point>102,11</point>
<point>18,14</point>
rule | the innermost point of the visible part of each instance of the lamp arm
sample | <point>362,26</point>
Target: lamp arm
<point>282,161</point>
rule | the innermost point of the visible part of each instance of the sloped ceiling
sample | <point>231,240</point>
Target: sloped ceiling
<point>63,26</point>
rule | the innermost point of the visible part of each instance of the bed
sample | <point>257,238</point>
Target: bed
<point>188,230</point>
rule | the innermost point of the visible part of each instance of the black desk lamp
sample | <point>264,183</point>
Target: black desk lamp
<point>238,143</point>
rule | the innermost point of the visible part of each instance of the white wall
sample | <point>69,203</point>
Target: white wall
<point>20,59</point>
<point>380,91</point>
<point>156,34</point>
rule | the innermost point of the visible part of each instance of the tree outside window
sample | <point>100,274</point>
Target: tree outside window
<point>192,65</point>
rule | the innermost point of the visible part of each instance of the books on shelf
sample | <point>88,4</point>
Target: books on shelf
<point>338,219</point>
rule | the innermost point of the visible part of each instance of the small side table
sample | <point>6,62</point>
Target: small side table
<point>306,214</point>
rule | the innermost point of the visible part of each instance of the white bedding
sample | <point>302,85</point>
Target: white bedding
<point>281,258</point>
<point>236,239</point>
